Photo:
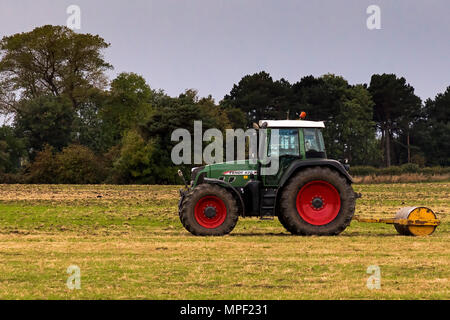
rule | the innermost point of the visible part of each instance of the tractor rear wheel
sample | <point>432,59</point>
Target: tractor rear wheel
<point>317,201</point>
<point>209,210</point>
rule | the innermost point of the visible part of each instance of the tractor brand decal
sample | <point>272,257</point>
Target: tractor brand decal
<point>240,173</point>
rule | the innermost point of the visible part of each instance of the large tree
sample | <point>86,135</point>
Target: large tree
<point>44,120</point>
<point>128,102</point>
<point>145,154</point>
<point>89,127</point>
<point>396,107</point>
<point>320,97</point>
<point>347,111</point>
<point>50,60</point>
<point>12,149</point>
<point>355,128</point>
<point>259,97</point>
<point>431,133</point>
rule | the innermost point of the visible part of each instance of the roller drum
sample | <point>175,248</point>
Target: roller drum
<point>415,213</point>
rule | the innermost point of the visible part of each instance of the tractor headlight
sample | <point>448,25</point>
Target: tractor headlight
<point>194,173</point>
<point>345,163</point>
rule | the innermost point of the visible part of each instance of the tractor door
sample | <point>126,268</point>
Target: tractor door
<point>290,147</point>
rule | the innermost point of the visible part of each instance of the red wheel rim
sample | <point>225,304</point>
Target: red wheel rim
<point>210,212</point>
<point>318,203</point>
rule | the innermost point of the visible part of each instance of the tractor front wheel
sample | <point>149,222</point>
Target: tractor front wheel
<point>209,210</point>
<point>317,201</point>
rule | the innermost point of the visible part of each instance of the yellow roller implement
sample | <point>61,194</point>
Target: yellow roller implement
<point>411,221</point>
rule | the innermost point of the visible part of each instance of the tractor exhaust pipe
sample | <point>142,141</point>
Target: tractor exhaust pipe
<point>180,174</point>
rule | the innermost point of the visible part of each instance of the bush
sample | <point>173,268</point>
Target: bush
<point>410,168</point>
<point>437,170</point>
<point>134,162</point>
<point>389,171</point>
<point>76,164</point>
<point>143,162</point>
<point>43,169</point>
<point>363,171</point>
<point>79,165</point>
<point>419,159</point>
<point>11,178</point>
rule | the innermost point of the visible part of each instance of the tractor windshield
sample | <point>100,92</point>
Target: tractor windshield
<point>314,144</point>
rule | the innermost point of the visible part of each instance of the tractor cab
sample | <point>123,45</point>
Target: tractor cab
<point>297,138</point>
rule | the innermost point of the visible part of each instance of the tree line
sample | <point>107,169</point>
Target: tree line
<point>67,123</point>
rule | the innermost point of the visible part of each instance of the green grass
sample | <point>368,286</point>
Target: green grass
<point>129,244</point>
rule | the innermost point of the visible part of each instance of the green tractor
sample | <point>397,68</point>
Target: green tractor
<point>310,194</point>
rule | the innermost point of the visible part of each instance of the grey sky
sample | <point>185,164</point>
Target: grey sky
<point>210,44</point>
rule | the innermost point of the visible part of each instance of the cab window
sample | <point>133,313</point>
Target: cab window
<point>314,144</point>
<point>287,143</point>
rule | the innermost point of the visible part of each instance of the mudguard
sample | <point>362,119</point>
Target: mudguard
<point>298,164</point>
<point>230,187</point>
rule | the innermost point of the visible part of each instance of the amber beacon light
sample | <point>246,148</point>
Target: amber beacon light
<point>303,115</point>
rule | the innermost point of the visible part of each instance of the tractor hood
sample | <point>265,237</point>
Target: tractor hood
<point>232,168</point>
<point>236,173</point>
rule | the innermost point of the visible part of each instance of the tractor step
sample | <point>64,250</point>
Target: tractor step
<point>268,203</point>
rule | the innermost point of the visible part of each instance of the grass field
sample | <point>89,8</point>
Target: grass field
<point>129,244</point>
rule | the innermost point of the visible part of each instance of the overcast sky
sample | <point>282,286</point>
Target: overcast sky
<point>210,44</point>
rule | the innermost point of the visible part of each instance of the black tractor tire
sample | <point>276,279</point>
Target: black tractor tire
<point>281,219</point>
<point>289,215</point>
<point>188,216</point>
